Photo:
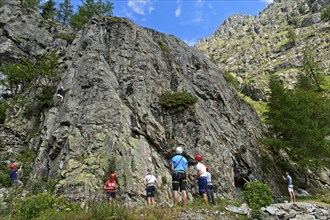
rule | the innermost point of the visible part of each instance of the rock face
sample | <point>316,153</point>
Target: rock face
<point>252,48</point>
<point>98,127</point>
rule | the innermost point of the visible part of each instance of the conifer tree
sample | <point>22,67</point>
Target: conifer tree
<point>65,12</point>
<point>311,70</point>
<point>48,9</point>
<point>298,122</point>
<point>88,10</point>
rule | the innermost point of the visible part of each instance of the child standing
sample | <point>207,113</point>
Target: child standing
<point>110,187</point>
<point>150,182</point>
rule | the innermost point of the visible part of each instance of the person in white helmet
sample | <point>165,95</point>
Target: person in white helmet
<point>60,95</point>
<point>179,168</point>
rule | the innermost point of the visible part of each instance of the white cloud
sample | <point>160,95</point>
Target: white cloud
<point>267,1</point>
<point>200,2</point>
<point>141,6</point>
<point>198,17</point>
<point>191,42</point>
<point>178,11</point>
<point>126,13</point>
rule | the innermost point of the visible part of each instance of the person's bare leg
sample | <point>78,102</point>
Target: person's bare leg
<point>175,197</point>
<point>153,201</point>
<point>184,198</point>
<point>204,196</point>
<point>294,196</point>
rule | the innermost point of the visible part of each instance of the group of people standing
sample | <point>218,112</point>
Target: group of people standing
<point>179,169</point>
<point>180,178</point>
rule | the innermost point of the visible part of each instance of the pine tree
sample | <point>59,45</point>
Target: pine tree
<point>311,70</point>
<point>298,122</point>
<point>88,10</point>
<point>48,9</point>
<point>65,12</point>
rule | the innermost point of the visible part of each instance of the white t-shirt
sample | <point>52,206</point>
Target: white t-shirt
<point>202,168</point>
<point>150,179</point>
<point>209,178</point>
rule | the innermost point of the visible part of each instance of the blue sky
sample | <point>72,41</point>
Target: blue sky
<point>189,20</point>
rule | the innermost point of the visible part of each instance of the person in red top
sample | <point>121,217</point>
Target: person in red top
<point>110,187</point>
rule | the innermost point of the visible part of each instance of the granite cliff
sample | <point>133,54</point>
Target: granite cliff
<point>98,125</point>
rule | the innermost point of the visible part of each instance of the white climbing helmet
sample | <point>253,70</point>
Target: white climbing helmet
<point>179,150</point>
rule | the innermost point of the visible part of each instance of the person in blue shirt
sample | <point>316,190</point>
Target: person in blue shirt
<point>179,168</point>
<point>290,187</point>
<point>13,173</point>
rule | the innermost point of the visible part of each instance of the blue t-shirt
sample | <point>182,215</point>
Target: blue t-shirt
<point>289,179</point>
<point>179,163</point>
<point>13,175</point>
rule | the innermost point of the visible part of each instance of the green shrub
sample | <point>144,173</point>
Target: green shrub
<point>314,8</point>
<point>293,21</point>
<point>177,100</point>
<point>102,210</point>
<point>27,157</point>
<point>3,107</point>
<point>230,79</point>
<point>325,13</point>
<point>162,46</point>
<point>39,186</point>
<point>67,37</point>
<point>302,9</point>
<point>257,195</point>
<point>45,97</point>
<point>4,173</point>
<point>33,206</point>
<point>197,66</point>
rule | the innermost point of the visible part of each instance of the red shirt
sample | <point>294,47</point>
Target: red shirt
<point>110,186</point>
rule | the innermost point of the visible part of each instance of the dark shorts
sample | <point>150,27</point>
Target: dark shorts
<point>151,191</point>
<point>111,195</point>
<point>202,185</point>
<point>179,181</point>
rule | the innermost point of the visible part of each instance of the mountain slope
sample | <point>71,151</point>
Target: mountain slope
<point>252,48</point>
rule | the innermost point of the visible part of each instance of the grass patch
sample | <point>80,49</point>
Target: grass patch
<point>67,37</point>
<point>259,106</point>
<point>326,83</point>
<point>162,46</point>
<point>321,198</point>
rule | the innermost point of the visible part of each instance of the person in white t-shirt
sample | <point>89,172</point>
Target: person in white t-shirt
<point>201,177</point>
<point>150,182</point>
<point>210,194</point>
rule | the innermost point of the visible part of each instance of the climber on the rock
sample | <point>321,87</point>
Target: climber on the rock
<point>60,95</point>
<point>129,89</point>
<point>13,173</point>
